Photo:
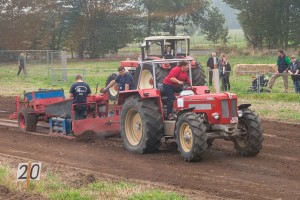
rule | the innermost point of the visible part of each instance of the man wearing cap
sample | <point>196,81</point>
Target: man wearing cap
<point>294,70</point>
<point>283,63</point>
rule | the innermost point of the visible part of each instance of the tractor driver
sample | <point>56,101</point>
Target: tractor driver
<point>173,82</point>
<point>79,91</point>
<point>168,53</point>
<point>124,80</point>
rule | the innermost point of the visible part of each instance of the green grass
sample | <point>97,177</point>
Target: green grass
<point>156,194</point>
<point>198,42</point>
<point>73,194</point>
<point>3,173</point>
<point>98,71</point>
<point>37,77</point>
<point>53,186</point>
<point>236,39</point>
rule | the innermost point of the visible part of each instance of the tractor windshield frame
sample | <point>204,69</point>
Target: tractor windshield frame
<point>165,61</point>
<point>155,47</point>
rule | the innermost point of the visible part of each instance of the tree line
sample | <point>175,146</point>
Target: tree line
<point>97,27</point>
<point>269,23</point>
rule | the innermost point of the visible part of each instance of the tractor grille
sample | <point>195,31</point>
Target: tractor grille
<point>225,109</point>
<point>234,108</point>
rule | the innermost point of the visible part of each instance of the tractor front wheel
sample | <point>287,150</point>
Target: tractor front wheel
<point>27,120</point>
<point>191,137</point>
<point>249,141</point>
<point>141,125</point>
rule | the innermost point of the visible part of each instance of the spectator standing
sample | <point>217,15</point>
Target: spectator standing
<point>225,70</point>
<point>79,91</point>
<point>294,70</point>
<point>124,81</point>
<point>210,66</point>
<point>21,63</point>
<point>282,66</point>
<point>173,82</point>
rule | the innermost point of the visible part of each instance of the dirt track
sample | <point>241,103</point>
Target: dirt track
<point>273,174</point>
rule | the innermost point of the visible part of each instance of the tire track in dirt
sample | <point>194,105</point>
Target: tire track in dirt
<point>273,174</point>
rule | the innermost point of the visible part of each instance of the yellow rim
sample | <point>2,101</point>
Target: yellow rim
<point>146,80</point>
<point>186,137</point>
<point>133,127</point>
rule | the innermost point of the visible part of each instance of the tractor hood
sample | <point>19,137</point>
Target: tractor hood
<point>222,104</point>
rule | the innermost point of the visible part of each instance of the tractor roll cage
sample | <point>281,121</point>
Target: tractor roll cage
<point>165,61</point>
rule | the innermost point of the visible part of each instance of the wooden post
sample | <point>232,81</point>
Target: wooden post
<point>28,175</point>
<point>216,77</point>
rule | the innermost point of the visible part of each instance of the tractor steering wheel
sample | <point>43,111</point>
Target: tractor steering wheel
<point>187,86</point>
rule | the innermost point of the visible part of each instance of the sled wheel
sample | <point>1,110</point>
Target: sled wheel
<point>27,119</point>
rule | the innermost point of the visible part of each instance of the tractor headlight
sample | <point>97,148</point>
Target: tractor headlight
<point>240,113</point>
<point>216,115</point>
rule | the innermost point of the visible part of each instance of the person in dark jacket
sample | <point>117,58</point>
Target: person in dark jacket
<point>21,62</point>
<point>210,66</point>
<point>225,69</point>
<point>79,91</point>
<point>294,70</point>
<point>124,81</point>
<point>282,63</point>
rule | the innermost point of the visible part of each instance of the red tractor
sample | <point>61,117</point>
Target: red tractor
<point>202,117</point>
<point>155,48</point>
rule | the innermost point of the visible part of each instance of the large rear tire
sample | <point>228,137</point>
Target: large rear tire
<point>113,92</point>
<point>146,80</point>
<point>27,120</point>
<point>198,76</point>
<point>191,137</point>
<point>141,125</point>
<point>249,142</point>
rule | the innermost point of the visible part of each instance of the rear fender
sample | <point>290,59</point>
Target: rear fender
<point>185,110</point>
<point>243,106</point>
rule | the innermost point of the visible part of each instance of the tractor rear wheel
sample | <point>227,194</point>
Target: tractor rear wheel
<point>27,120</point>
<point>146,80</point>
<point>141,125</point>
<point>191,137</point>
<point>198,76</point>
<point>113,92</point>
<point>249,142</point>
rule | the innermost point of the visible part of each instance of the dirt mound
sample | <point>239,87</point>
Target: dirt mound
<point>7,106</point>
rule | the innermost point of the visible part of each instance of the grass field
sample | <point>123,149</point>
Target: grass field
<point>279,105</point>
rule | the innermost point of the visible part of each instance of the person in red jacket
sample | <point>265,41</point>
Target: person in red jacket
<point>173,82</point>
